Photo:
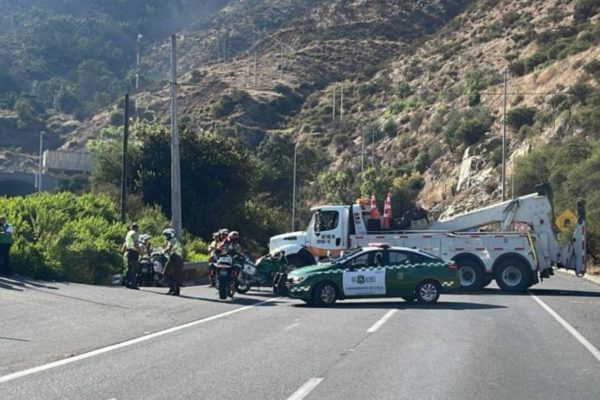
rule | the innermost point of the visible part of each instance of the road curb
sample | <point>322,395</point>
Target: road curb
<point>591,278</point>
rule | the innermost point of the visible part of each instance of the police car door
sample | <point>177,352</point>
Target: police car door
<point>401,274</point>
<point>362,276</point>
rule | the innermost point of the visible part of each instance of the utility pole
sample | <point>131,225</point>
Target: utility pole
<point>281,64</point>
<point>40,162</point>
<point>137,62</point>
<point>124,159</point>
<point>255,61</point>
<point>373,148</point>
<point>504,137</point>
<point>175,167</point>
<point>341,102</point>
<point>512,191</point>
<point>137,72</point>
<point>362,153</point>
<point>333,114</point>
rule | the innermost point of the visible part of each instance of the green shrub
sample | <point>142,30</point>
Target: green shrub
<point>403,90</point>
<point>74,238</point>
<point>396,106</point>
<point>468,127</point>
<point>422,162</point>
<point>390,127</point>
<point>520,116</point>
<point>584,9</point>
<point>593,68</point>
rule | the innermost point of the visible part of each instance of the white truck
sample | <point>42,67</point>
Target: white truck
<point>516,259</point>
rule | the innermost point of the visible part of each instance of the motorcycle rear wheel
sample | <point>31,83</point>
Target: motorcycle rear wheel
<point>222,289</point>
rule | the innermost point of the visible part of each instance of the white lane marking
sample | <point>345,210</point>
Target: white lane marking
<point>305,389</point>
<point>580,338</point>
<point>293,325</point>
<point>127,343</point>
<point>382,321</point>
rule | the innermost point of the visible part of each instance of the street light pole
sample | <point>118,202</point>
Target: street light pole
<point>504,138</point>
<point>294,189</point>
<point>40,161</point>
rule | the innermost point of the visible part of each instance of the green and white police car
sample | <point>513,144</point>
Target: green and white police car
<point>375,271</point>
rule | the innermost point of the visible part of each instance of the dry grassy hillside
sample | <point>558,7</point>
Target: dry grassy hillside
<point>421,81</point>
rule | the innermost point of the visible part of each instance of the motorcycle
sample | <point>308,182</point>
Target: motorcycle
<point>151,268</point>
<point>263,273</point>
<point>227,276</point>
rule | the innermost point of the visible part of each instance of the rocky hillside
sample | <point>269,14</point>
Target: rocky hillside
<point>417,84</point>
<point>421,81</point>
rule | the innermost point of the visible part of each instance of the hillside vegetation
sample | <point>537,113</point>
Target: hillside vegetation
<point>417,84</point>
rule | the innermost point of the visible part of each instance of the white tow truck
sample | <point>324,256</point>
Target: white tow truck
<point>515,257</point>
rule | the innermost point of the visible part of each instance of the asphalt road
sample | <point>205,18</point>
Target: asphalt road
<point>479,346</point>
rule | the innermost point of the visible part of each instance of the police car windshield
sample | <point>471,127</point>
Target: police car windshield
<point>424,253</point>
<point>349,253</point>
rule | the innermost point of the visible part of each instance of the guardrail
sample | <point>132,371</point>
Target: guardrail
<point>195,272</point>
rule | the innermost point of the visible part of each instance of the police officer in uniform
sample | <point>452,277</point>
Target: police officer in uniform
<point>6,231</point>
<point>174,268</point>
<point>132,256</point>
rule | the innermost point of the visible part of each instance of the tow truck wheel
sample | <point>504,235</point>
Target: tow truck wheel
<point>470,274</point>
<point>513,275</point>
<point>428,292</point>
<point>325,294</point>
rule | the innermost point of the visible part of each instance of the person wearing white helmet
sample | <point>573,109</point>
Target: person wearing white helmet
<point>174,268</point>
<point>223,234</point>
<point>232,244</point>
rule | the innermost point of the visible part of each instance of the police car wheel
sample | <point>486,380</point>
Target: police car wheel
<point>325,294</point>
<point>428,292</point>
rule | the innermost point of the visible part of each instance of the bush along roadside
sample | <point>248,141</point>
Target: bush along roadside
<point>72,238</point>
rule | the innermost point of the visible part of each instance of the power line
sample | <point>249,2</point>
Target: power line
<point>524,94</point>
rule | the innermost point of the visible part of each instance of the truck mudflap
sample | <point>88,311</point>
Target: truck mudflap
<point>573,254</point>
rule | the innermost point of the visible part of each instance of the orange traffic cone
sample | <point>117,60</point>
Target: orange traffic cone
<point>387,212</point>
<point>374,213</point>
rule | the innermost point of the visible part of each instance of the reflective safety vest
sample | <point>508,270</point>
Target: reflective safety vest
<point>6,231</point>
<point>131,239</point>
<point>176,247</point>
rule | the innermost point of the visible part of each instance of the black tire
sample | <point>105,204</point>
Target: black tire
<point>299,260</point>
<point>243,286</point>
<point>513,275</point>
<point>428,292</point>
<point>470,273</point>
<point>324,294</point>
<point>487,281</point>
<point>223,284</point>
<point>409,299</point>
<point>232,288</point>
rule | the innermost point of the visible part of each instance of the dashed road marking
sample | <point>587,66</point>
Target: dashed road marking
<point>305,389</point>
<point>580,338</point>
<point>127,343</point>
<point>382,321</point>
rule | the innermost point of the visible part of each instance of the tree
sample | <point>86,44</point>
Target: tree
<point>336,186</point>
<point>216,177</point>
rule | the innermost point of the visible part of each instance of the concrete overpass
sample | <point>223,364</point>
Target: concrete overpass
<point>21,183</point>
